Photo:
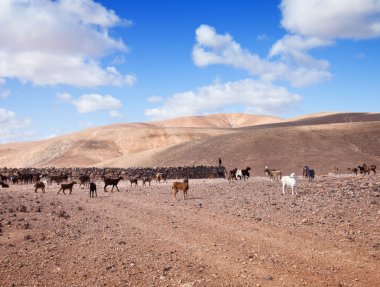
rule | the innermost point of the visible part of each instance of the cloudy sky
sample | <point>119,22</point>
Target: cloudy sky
<point>67,65</point>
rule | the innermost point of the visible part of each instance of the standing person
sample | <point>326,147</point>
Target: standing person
<point>220,161</point>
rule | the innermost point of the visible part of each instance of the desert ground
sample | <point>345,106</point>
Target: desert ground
<point>244,233</point>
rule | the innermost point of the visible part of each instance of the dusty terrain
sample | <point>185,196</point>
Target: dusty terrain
<point>244,233</point>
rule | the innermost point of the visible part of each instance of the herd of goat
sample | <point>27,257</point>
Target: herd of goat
<point>88,181</point>
<point>290,180</point>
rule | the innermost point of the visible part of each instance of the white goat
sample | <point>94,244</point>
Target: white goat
<point>289,181</point>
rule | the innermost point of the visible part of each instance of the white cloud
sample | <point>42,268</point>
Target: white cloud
<point>118,60</point>
<point>319,23</point>
<point>332,19</point>
<point>260,97</point>
<point>296,46</point>
<point>155,99</point>
<point>12,128</point>
<point>90,102</point>
<point>130,80</point>
<point>212,48</point>
<point>94,102</point>
<point>59,42</point>
<point>310,24</point>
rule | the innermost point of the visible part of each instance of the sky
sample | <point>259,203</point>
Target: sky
<point>67,65</point>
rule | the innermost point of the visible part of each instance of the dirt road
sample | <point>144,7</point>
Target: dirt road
<point>244,233</point>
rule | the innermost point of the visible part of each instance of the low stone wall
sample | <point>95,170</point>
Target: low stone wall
<point>173,172</point>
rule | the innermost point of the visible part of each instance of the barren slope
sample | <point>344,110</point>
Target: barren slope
<point>97,145</point>
<point>321,141</point>
<point>288,148</point>
<point>218,121</point>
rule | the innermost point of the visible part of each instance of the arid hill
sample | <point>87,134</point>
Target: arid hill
<point>320,140</point>
<point>218,121</point>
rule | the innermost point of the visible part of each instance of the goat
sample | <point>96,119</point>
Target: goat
<point>146,179</point>
<point>65,186</point>
<point>245,172</point>
<point>289,181</point>
<point>84,180</point>
<point>93,192</point>
<point>134,180</point>
<point>161,176</point>
<point>308,173</point>
<point>367,169</point>
<point>57,178</point>
<point>239,174</point>
<point>362,170</point>
<point>39,185</point>
<point>184,186</point>
<point>4,185</point>
<point>231,175</point>
<point>111,181</point>
<point>370,168</point>
<point>274,174</point>
<point>14,179</point>
<point>353,170</point>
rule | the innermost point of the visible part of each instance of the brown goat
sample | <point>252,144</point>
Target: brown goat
<point>370,168</point>
<point>367,169</point>
<point>353,170</point>
<point>134,180</point>
<point>184,186</point>
<point>65,186</point>
<point>231,175</point>
<point>274,174</point>
<point>39,185</point>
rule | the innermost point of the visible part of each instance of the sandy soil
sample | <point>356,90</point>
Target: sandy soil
<point>244,233</point>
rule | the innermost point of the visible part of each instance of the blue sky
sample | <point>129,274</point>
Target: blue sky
<point>67,65</point>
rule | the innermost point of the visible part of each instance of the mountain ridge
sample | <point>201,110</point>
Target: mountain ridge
<point>240,139</point>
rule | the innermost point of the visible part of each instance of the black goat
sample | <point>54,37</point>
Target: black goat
<point>308,173</point>
<point>146,179</point>
<point>57,178</point>
<point>93,192</point>
<point>39,185</point>
<point>111,181</point>
<point>245,173</point>
<point>4,185</point>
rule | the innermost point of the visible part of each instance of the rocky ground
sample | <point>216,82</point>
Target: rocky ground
<point>244,233</point>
